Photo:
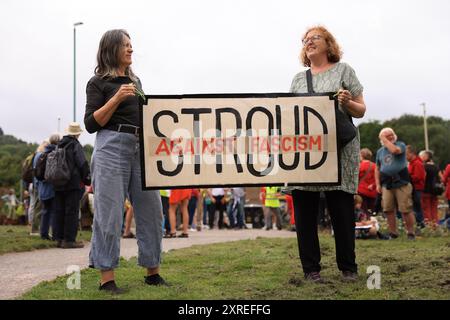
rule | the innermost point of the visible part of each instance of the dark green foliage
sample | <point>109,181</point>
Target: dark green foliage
<point>369,135</point>
<point>88,149</point>
<point>12,152</point>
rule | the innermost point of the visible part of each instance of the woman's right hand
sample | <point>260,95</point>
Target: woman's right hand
<point>125,91</point>
<point>104,114</point>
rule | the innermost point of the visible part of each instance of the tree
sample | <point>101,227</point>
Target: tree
<point>88,150</point>
<point>12,152</point>
<point>368,133</point>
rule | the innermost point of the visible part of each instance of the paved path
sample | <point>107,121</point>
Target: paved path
<point>19,272</point>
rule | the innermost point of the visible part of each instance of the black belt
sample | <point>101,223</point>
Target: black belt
<point>127,128</point>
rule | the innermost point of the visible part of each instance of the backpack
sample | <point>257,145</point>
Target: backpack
<point>57,169</point>
<point>39,170</point>
<point>437,188</point>
<point>27,168</point>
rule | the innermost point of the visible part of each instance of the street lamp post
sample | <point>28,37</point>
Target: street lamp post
<point>425,128</point>
<point>75,69</point>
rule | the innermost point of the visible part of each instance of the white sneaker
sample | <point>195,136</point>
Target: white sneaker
<point>193,229</point>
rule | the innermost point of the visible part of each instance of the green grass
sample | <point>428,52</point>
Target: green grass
<point>18,239</point>
<point>270,269</point>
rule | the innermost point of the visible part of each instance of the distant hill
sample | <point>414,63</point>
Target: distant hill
<point>12,153</point>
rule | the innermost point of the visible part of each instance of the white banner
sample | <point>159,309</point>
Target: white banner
<point>239,140</point>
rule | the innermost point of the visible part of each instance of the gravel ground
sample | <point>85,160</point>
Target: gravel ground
<point>19,272</point>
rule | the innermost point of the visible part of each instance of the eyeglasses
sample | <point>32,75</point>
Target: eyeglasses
<point>313,38</point>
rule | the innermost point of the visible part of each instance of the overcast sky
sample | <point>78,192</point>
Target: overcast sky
<point>399,49</point>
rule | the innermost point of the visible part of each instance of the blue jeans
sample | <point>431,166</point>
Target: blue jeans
<point>48,218</point>
<point>231,213</point>
<point>417,206</point>
<point>240,216</point>
<point>116,173</point>
<point>191,209</point>
<point>236,213</point>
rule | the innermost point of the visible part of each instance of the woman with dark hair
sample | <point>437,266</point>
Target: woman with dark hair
<point>112,110</point>
<point>322,54</point>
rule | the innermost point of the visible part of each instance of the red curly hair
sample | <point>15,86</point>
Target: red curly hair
<point>334,50</point>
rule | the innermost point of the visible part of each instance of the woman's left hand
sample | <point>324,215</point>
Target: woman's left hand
<point>344,97</point>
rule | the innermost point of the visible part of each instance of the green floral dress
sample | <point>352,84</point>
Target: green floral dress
<point>330,81</point>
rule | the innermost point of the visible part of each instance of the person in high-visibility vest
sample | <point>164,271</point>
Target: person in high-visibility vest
<point>272,204</point>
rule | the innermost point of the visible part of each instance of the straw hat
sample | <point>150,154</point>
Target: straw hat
<point>74,129</point>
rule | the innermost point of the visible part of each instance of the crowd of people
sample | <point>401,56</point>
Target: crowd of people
<point>53,210</point>
<point>221,208</point>
<point>402,184</point>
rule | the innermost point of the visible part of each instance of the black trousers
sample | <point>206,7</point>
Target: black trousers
<point>341,209</point>
<point>220,207</point>
<point>165,208</point>
<point>67,206</point>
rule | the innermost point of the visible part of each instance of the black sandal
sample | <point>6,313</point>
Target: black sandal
<point>129,236</point>
<point>170,235</point>
<point>183,235</point>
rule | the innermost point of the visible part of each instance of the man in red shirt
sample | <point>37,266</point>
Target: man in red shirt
<point>417,173</point>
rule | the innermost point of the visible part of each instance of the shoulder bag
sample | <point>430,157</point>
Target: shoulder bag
<point>345,129</point>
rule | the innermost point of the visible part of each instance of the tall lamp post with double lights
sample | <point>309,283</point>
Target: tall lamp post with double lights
<point>75,25</point>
